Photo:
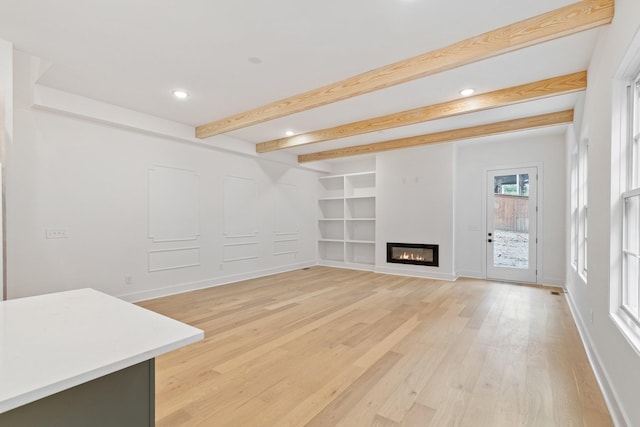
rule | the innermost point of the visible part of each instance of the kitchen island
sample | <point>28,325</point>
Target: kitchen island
<point>81,358</point>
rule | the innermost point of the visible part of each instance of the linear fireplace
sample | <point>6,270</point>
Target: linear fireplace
<point>410,253</point>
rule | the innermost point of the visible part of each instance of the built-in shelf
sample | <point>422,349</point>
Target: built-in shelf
<point>346,220</point>
<point>331,208</point>
<point>360,253</point>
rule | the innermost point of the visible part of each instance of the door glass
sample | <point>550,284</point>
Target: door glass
<point>511,221</point>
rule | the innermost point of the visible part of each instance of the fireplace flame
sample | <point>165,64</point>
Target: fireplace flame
<point>411,256</point>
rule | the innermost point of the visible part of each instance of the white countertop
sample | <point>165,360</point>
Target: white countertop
<point>50,343</point>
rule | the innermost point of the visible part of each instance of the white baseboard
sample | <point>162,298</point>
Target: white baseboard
<point>552,281</point>
<point>346,265</point>
<point>617,414</point>
<point>549,281</point>
<point>472,274</point>
<point>412,273</point>
<point>209,283</point>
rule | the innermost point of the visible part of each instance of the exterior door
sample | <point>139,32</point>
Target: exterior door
<point>511,241</point>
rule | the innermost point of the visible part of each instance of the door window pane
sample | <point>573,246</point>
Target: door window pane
<point>511,221</point>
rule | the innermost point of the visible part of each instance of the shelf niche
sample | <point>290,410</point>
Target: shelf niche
<point>346,220</point>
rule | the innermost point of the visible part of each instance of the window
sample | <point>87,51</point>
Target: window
<point>630,298</point>
<point>579,212</point>
<point>583,218</point>
<point>631,255</point>
<point>625,220</point>
<point>574,208</point>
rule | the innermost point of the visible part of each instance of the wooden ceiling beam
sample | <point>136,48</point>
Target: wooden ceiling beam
<point>571,19</point>
<point>532,122</point>
<point>499,98</point>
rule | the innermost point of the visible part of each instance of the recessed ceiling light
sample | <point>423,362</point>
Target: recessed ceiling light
<point>180,94</point>
<point>289,133</point>
<point>467,92</point>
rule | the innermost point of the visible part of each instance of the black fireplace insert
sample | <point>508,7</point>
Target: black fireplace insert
<point>412,253</point>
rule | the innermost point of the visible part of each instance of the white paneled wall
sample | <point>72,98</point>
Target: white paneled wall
<point>92,179</point>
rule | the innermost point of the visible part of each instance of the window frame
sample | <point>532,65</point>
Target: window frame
<point>625,184</point>
<point>579,206</point>
<point>626,254</point>
<point>583,218</point>
<point>631,190</point>
<point>574,223</point>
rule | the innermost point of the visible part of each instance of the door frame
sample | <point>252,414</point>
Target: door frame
<point>539,213</point>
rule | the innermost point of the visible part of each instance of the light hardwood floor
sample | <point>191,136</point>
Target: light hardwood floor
<point>332,347</point>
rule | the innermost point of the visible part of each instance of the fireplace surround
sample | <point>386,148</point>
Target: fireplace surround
<point>413,253</point>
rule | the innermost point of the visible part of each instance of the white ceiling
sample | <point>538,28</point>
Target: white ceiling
<point>133,53</point>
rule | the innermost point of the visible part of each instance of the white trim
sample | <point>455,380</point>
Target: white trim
<point>244,258</point>
<point>631,60</point>
<point>332,263</point>
<point>413,273</point>
<point>553,281</point>
<point>617,413</point>
<point>294,239</point>
<point>629,328</point>
<point>631,193</point>
<point>209,283</point>
<point>359,266</point>
<point>175,267</point>
<point>177,239</point>
<point>241,243</point>
<point>471,274</point>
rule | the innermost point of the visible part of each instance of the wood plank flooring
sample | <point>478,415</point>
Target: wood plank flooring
<point>332,347</point>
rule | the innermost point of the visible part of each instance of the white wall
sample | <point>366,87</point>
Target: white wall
<point>414,204</point>
<point>617,364</point>
<point>513,150</point>
<point>434,194</point>
<point>353,165</point>
<point>92,179</point>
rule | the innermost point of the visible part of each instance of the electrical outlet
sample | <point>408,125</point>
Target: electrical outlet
<point>128,280</point>
<point>57,233</point>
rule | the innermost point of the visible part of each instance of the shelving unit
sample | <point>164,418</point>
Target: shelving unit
<point>347,220</point>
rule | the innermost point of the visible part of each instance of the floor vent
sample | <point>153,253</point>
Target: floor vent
<point>306,268</point>
<point>555,293</point>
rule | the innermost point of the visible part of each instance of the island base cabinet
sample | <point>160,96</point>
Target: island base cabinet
<point>125,398</point>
